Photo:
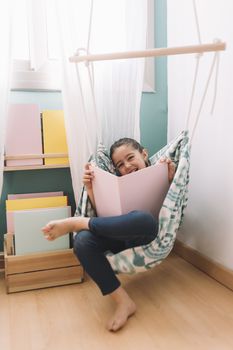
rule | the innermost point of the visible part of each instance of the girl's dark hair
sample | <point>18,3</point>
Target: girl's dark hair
<point>126,141</point>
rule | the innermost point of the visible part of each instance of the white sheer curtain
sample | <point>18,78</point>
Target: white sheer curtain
<point>5,75</point>
<point>116,26</point>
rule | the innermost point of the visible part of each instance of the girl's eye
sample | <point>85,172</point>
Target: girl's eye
<point>130,157</point>
<point>119,165</point>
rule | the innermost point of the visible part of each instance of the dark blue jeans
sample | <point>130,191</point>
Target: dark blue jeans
<point>115,233</point>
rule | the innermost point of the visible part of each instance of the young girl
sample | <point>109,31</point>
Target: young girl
<point>97,235</point>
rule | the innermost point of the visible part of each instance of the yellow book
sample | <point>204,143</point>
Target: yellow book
<point>33,203</point>
<point>54,136</point>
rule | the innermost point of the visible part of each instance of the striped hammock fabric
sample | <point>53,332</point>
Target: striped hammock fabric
<point>142,258</point>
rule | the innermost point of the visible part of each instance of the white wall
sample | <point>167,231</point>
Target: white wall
<point>208,224</point>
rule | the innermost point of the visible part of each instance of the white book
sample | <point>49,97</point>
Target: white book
<point>144,190</point>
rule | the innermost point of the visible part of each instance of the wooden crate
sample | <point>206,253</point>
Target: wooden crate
<point>39,270</point>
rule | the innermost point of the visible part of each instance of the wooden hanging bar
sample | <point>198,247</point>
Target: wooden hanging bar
<point>218,46</point>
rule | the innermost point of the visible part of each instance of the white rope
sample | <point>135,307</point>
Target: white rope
<point>204,96</point>
<point>90,71</point>
<point>198,56</point>
<point>215,83</point>
<point>90,27</point>
<point>85,111</point>
<point>193,92</point>
<point>91,77</point>
<point>215,61</point>
<point>197,22</point>
<point>98,121</point>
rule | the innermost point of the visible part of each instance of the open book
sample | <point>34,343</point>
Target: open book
<point>144,189</point>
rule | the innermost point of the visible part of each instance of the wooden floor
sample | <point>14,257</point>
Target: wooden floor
<point>179,307</point>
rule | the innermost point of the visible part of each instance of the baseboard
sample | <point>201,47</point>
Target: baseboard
<point>210,267</point>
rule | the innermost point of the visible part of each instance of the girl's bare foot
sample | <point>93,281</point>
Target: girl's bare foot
<point>57,228</point>
<point>124,309</point>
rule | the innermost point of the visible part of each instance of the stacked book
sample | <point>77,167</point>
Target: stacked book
<point>27,213</point>
<point>31,133</point>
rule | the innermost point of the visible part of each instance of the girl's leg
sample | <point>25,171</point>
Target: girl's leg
<point>134,229</point>
<point>90,250</point>
<point>125,307</point>
<point>111,233</point>
<point>57,228</point>
<point>134,225</point>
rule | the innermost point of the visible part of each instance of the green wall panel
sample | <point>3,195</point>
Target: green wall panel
<point>154,105</point>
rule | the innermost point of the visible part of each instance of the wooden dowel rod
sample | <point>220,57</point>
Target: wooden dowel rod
<point>36,156</point>
<point>218,46</point>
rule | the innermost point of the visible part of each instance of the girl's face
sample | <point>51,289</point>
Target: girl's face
<point>128,159</point>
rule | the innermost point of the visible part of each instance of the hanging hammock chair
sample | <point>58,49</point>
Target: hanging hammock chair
<point>142,258</point>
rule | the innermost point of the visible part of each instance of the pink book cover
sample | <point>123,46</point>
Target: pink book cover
<point>10,214</point>
<point>145,190</point>
<point>34,195</point>
<point>23,134</point>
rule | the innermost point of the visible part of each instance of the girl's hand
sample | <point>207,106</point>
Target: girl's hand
<point>171,168</point>
<point>88,176</point>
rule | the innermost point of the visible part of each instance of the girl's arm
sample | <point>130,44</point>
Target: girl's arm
<point>87,181</point>
<point>91,197</point>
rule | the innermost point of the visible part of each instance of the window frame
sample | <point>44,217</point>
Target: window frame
<point>26,75</point>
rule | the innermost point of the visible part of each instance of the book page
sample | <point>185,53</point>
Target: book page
<point>145,190</point>
<point>106,193</point>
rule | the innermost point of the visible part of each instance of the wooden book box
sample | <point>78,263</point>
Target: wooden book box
<point>39,270</point>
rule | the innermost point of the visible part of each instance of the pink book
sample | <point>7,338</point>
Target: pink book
<point>34,195</point>
<point>144,189</point>
<point>23,134</point>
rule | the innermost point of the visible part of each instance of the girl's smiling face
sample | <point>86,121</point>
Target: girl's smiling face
<point>127,159</point>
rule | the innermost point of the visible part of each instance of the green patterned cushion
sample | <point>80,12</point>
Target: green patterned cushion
<point>142,258</point>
